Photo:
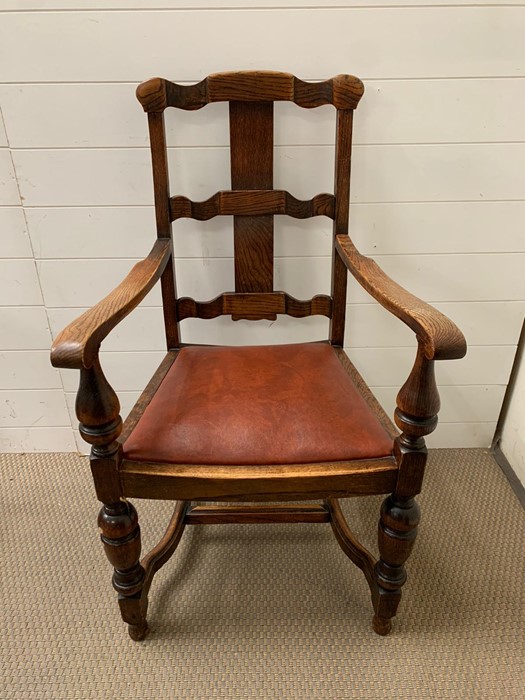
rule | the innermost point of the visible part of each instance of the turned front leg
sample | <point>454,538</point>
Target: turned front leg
<point>98,411</point>
<point>120,535</point>
<point>396,535</point>
<point>416,416</point>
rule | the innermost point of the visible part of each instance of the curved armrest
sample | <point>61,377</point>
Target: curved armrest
<point>77,345</point>
<point>438,336</point>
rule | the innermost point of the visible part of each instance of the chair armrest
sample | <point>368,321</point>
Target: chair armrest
<point>76,347</point>
<point>438,336</point>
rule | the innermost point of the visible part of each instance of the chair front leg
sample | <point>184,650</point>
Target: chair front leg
<point>98,409</point>
<point>416,416</point>
<point>120,535</point>
<point>397,533</point>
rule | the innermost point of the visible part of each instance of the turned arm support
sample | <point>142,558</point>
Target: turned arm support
<point>76,347</point>
<point>97,406</point>
<point>438,337</point>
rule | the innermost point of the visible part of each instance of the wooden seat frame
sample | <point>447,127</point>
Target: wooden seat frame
<point>253,203</point>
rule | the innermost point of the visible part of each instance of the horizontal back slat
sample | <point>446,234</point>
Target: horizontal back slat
<point>256,305</point>
<point>252,203</point>
<point>342,91</point>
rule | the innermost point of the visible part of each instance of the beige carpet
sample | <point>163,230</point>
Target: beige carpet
<point>262,611</point>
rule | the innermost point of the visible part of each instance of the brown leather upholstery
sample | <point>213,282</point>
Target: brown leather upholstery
<point>279,404</point>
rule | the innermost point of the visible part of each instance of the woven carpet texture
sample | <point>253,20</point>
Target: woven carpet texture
<point>262,611</point>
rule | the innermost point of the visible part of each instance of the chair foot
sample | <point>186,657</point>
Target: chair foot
<point>138,632</point>
<point>381,625</point>
<point>133,610</point>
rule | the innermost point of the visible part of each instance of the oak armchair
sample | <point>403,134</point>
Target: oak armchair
<point>265,425</point>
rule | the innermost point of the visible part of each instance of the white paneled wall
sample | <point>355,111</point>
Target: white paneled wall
<point>438,185</point>
<point>33,408</point>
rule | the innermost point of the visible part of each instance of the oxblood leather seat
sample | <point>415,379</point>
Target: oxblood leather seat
<point>280,404</point>
<point>274,423</point>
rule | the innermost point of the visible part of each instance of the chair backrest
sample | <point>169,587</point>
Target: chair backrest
<point>252,201</point>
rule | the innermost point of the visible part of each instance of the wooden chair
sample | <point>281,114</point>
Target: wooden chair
<point>226,425</point>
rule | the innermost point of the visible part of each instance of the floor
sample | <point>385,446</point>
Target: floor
<point>262,611</point>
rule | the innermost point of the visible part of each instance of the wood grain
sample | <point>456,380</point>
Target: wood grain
<point>252,203</point>
<point>257,483</point>
<point>342,91</point>
<point>254,305</point>
<point>274,513</point>
<point>161,188</point>
<point>416,415</point>
<point>120,535</point>
<point>252,168</point>
<point>77,345</point>
<point>397,532</point>
<point>439,337</point>
<point>343,159</point>
<point>339,281</point>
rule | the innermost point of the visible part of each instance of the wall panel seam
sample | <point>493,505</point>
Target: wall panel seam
<point>260,8</point>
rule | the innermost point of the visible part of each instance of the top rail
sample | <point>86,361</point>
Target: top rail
<point>342,91</point>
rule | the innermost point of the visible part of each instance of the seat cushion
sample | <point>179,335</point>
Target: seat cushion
<point>278,404</point>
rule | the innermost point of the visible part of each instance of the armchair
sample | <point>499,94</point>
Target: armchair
<point>234,434</point>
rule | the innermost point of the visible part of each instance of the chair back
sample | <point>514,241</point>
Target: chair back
<point>252,201</point>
